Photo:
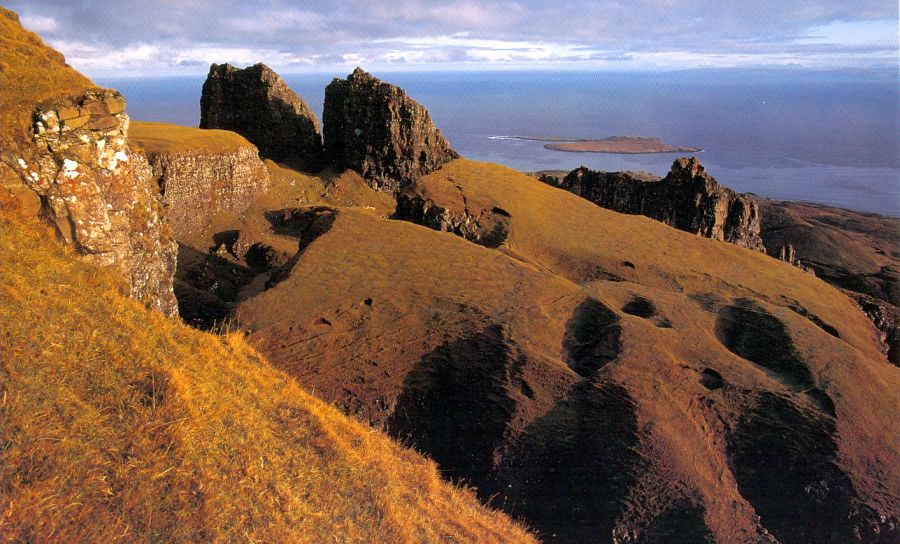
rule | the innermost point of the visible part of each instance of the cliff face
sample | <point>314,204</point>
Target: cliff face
<point>374,128</point>
<point>687,198</point>
<point>198,182</point>
<point>99,193</point>
<point>257,104</point>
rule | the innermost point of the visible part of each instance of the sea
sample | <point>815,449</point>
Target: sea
<point>830,137</point>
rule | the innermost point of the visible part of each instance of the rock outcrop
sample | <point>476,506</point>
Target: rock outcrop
<point>257,104</point>
<point>198,182</point>
<point>485,226</point>
<point>687,198</point>
<point>99,193</point>
<point>886,318</point>
<point>374,128</point>
<point>788,254</point>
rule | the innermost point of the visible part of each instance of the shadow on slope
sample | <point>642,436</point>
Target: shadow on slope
<point>593,337</point>
<point>758,336</point>
<point>785,462</point>
<point>455,404</point>
<point>570,471</point>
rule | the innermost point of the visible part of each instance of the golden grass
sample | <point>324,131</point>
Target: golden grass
<point>168,138</point>
<point>118,424</point>
<point>30,72</point>
<point>581,241</point>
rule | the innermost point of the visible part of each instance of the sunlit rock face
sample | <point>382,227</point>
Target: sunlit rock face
<point>99,193</point>
<point>197,184</point>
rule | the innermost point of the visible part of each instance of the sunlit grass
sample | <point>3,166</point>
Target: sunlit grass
<point>118,424</point>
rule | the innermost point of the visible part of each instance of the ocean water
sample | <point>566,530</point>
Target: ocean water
<point>828,137</point>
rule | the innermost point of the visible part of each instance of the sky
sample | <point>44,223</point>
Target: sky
<point>171,37</point>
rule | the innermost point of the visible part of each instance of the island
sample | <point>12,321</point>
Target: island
<point>613,144</point>
<point>620,144</point>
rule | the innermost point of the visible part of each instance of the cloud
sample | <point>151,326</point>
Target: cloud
<point>881,32</point>
<point>40,24</point>
<point>179,36</point>
<point>140,58</point>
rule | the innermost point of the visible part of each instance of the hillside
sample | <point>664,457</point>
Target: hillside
<point>30,73</point>
<point>595,376</point>
<point>853,250</point>
<point>120,424</point>
<point>602,374</point>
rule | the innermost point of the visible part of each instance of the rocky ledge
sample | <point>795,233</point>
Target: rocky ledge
<point>99,193</point>
<point>374,128</point>
<point>257,104</point>
<point>197,182</point>
<point>687,198</point>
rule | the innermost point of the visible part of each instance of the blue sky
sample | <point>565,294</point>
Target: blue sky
<point>184,36</point>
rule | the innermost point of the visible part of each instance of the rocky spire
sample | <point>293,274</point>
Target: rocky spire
<point>257,104</point>
<point>374,128</point>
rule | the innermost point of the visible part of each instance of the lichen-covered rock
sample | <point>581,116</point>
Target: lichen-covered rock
<point>257,104</point>
<point>374,128</point>
<point>197,184</point>
<point>99,193</point>
<point>687,198</point>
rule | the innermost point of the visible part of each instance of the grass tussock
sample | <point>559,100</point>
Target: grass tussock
<point>168,138</point>
<point>117,424</point>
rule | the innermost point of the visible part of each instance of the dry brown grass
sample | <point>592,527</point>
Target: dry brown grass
<point>168,138</point>
<point>30,72</point>
<point>371,299</point>
<point>118,424</point>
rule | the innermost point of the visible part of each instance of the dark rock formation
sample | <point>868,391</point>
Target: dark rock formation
<point>257,104</point>
<point>374,128</point>
<point>99,192</point>
<point>687,198</point>
<point>788,254</point>
<point>197,184</point>
<point>886,318</point>
<point>485,227</point>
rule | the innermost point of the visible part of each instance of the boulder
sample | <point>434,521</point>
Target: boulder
<point>374,128</point>
<point>257,104</point>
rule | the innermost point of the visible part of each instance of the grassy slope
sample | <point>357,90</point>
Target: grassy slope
<point>854,250</point>
<point>428,287</point>
<point>30,72</point>
<point>168,138</point>
<point>583,242</point>
<point>119,424</point>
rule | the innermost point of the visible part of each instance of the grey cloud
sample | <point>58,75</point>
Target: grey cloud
<point>323,32</point>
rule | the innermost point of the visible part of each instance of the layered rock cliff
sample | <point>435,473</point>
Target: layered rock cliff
<point>257,104</point>
<point>687,198</point>
<point>208,173</point>
<point>374,128</point>
<point>99,193</point>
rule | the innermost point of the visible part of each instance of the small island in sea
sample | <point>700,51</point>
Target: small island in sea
<point>613,144</point>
